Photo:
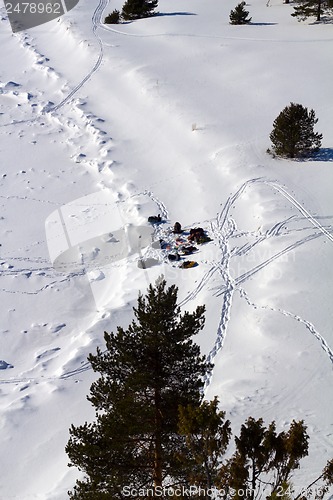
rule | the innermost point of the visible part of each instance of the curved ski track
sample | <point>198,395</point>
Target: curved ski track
<point>222,229</point>
<point>96,22</point>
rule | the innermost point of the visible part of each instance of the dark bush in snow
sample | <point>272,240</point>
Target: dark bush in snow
<point>293,135</point>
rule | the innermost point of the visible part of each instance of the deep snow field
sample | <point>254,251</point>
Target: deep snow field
<point>102,126</point>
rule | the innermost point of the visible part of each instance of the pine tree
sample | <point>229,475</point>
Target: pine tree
<point>312,8</point>
<point>293,135</point>
<point>264,460</point>
<point>207,436</point>
<point>138,9</point>
<point>112,18</point>
<point>239,15</point>
<point>320,486</point>
<point>146,373</point>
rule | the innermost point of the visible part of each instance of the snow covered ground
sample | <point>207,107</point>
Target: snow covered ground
<point>102,126</point>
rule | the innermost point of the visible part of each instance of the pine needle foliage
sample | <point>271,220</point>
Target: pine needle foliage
<point>146,372</point>
<point>207,434</point>
<point>239,15</point>
<point>138,9</point>
<point>113,18</point>
<point>312,8</point>
<point>264,460</point>
<point>293,133</point>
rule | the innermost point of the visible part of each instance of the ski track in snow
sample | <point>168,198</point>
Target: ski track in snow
<point>96,23</point>
<point>41,60</point>
<point>308,325</point>
<point>222,229</point>
<point>214,37</point>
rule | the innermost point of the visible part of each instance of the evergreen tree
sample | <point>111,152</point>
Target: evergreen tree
<point>293,135</point>
<point>239,15</point>
<point>113,18</point>
<point>146,373</point>
<point>207,437</point>
<point>264,460</point>
<point>312,8</point>
<point>138,9</point>
<point>320,487</point>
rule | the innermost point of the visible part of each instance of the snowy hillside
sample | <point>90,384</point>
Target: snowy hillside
<point>102,126</point>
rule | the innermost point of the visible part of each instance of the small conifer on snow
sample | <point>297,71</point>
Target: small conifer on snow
<point>239,15</point>
<point>293,135</point>
<point>113,18</point>
<point>138,9</point>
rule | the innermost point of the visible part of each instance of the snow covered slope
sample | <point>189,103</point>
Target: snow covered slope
<point>102,126</point>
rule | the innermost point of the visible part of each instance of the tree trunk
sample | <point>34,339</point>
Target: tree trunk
<point>253,482</point>
<point>318,9</point>
<point>158,441</point>
<point>209,482</point>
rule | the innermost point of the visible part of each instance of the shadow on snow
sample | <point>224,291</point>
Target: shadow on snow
<point>162,14</point>
<point>324,154</point>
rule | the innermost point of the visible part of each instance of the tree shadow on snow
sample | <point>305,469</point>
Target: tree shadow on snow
<point>324,20</point>
<point>324,154</point>
<point>162,14</point>
<point>262,24</point>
